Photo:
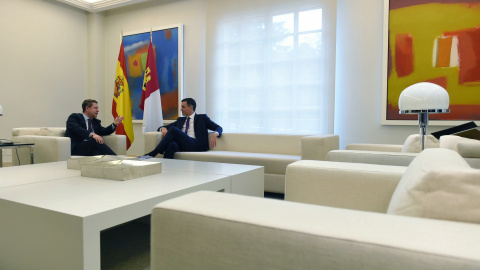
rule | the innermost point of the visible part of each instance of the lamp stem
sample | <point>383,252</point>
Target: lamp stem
<point>423,122</point>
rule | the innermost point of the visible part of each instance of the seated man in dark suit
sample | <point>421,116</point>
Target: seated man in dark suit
<point>188,133</point>
<point>85,131</point>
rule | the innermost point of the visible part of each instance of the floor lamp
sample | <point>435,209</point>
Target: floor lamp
<point>423,98</point>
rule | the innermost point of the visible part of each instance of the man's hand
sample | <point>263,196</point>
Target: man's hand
<point>163,131</point>
<point>213,141</point>
<point>97,138</point>
<point>118,120</point>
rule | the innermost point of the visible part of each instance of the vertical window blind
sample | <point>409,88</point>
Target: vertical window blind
<point>270,65</point>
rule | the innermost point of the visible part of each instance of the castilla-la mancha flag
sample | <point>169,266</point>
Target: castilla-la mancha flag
<point>121,105</point>
<point>150,101</point>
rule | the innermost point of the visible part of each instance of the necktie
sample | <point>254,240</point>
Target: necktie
<point>188,124</point>
<point>90,125</point>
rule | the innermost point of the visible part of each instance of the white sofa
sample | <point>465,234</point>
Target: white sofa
<point>208,230</point>
<point>51,144</point>
<point>402,155</point>
<point>274,152</point>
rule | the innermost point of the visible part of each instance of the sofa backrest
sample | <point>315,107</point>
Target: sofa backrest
<point>260,143</point>
<point>39,131</point>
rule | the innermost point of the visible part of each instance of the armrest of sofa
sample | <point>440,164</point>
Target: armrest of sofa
<point>214,230</point>
<point>467,148</point>
<point>367,187</point>
<point>118,143</point>
<point>152,139</point>
<point>316,147</point>
<point>375,147</point>
<point>46,149</point>
<point>371,157</point>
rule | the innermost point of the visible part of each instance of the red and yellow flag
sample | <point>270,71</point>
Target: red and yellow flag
<point>121,105</point>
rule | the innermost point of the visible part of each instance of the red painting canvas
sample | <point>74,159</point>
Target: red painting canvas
<point>438,42</point>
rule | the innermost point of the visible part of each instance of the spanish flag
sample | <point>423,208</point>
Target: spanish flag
<point>121,105</point>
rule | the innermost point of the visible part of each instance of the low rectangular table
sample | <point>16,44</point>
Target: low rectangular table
<point>16,146</point>
<point>51,217</point>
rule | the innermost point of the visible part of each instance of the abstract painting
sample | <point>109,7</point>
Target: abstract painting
<point>434,41</point>
<point>168,48</point>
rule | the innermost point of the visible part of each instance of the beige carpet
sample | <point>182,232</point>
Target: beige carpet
<point>126,247</point>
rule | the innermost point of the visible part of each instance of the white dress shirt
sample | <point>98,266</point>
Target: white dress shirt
<point>191,130</point>
<point>86,124</point>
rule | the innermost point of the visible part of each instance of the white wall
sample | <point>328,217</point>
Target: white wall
<point>43,67</point>
<point>96,63</point>
<point>141,16</point>
<point>358,93</point>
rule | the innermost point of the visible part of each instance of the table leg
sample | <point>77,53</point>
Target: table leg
<point>31,154</point>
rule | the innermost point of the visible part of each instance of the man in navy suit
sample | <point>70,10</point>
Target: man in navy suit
<point>188,133</point>
<point>85,131</point>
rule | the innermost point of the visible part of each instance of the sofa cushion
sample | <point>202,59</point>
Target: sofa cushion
<point>438,184</point>
<point>40,131</point>
<point>412,143</point>
<point>371,157</point>
<point>273,163</point>
<point>52,131</point>
<point>467,148</point>
<point>260,143</point>
<point>25,131</point>
<point>366,187</point>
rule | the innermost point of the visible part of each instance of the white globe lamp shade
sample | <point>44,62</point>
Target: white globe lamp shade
<point>424,97</point>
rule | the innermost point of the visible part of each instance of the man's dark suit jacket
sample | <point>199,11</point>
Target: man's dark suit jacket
<point>201,124</point>
<point>77,129</point>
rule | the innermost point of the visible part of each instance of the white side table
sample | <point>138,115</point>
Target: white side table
<point>16,145</point>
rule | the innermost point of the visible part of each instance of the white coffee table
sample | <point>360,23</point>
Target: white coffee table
<point>51,217</point>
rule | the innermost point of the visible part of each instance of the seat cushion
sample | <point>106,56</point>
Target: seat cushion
<point>438,184</point>
<point>273,163</point>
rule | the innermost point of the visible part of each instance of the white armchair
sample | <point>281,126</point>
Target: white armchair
<point>441,175</point>
<point>51,144</point>
<point>402,155</point>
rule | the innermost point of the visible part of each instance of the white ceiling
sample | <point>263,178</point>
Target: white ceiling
<point>99,5</point>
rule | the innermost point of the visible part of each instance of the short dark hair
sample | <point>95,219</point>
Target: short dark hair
<point>88,103</point>
<point>190,102</point>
